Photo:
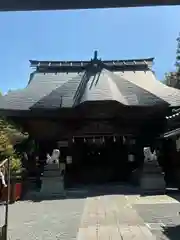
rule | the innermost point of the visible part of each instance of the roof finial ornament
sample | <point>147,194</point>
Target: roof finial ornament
<point>95,55</point>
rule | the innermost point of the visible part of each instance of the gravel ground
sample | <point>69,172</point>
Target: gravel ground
<point>162,219</point>
<point>54,219</point>
<point>60,219</point>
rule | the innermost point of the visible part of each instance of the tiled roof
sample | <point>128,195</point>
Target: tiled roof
<point>110,86</point>
<point>172,133</point>
<point>129,82</point>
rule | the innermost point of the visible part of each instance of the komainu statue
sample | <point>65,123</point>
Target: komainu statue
<point>54,158</point>
<point>53,177</point>
<point>152,179</point>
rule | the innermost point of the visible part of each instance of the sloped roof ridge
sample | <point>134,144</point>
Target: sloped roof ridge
<point>78,66</point>
<point>36,62</point>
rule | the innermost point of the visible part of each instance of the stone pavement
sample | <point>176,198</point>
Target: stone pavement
<point>115,217</point>
<point>45,220</point>
<point>112,217</point>
<point>160,214</point>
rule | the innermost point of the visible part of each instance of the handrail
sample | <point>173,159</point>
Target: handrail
<point>4,228</point>
<point>3,162</point>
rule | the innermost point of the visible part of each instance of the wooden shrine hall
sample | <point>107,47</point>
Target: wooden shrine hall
<point>97,111</point>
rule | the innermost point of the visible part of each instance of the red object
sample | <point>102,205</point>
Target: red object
<point>15,192</point>
<point>18,191</point>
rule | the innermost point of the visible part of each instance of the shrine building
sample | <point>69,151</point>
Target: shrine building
<point>97,111</point>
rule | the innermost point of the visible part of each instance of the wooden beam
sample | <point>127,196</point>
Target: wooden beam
<point>29,5</point>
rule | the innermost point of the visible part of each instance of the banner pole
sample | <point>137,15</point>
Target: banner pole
<point>7,202</point>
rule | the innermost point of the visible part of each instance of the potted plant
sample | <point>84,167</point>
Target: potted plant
<point>15,176</point>
<point>15,179</point>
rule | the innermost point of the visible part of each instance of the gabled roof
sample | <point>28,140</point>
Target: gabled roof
<point>55,85</point>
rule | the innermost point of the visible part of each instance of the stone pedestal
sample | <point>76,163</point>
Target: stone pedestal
<point>152,179</point>
<point>136,177</point>
<point>52,182</point>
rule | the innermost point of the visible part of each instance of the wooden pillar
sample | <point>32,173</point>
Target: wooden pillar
<point>168,159</point>
<point>171,162</point>
<point>138,163</point>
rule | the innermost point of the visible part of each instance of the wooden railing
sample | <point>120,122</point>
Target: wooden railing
<point>3,162</point>
<point>4,170</point>
<point>4,167</point>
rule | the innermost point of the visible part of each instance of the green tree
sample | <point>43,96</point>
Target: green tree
<point>172,79</point>
<point>178,55</point>
<point>8,132</point>
<point>6,148</point>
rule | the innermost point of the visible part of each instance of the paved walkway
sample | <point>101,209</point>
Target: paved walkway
<point>112,217</point>
<point>45,220</point>
<point>115,217</point>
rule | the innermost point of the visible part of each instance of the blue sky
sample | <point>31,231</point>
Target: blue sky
<point>74,35</point>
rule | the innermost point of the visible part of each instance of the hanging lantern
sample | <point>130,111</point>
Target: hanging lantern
<point>114,139</point>
<point>73,140</point>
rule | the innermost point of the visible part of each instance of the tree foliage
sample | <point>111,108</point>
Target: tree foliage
<point>6,148</point>
<point>172,79</point>
<point>9,132</point>
<point>178,55</point>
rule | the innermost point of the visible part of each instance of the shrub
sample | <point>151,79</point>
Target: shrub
<point>6,148</point>
<point>15,164</point>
